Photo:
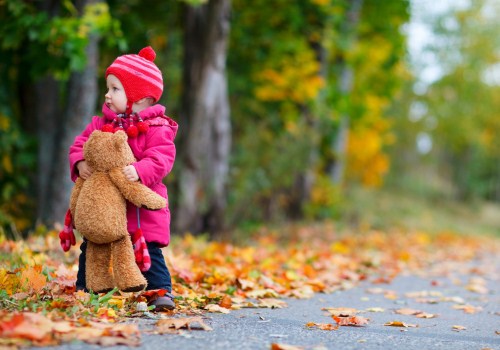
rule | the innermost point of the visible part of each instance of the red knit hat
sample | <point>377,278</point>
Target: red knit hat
<point>138,74</point>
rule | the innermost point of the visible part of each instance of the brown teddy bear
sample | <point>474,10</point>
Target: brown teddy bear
<point>98,208</point>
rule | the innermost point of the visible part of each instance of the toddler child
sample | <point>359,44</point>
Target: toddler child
<point>134,85</point>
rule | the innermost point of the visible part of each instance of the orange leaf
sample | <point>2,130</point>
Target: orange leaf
<point>9,322</point>
<point>276,346</point>
<point>350,320</point>
<point>323,326</point>
<point>33,278</point>
<point>226,302</point>
<point>468,309</point>
<point>153,294</point>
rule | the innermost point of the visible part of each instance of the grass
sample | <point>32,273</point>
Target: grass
<point>409,210</point>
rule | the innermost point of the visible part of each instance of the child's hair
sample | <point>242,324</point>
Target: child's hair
<point>139,76</point>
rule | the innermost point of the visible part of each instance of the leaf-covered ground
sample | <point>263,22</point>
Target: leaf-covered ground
<point>39,305</point>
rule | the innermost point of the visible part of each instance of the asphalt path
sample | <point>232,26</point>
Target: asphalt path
<point>465,304</point>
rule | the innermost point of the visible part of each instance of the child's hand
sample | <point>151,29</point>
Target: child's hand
<point>130,173</point>
<point>84,170</point>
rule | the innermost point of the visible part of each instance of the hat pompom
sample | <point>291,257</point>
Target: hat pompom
<point>142,127</point>
<point>107,128</point>
<point>132,131</point>
<point>148,53</point>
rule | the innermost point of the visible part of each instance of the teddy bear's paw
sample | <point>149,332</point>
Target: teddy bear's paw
<point>134,288</point>
<point>154,202</point>
<point>105,290</point>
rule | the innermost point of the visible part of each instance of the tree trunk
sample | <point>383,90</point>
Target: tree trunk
<point>80,106</point>
<point>206,142</point>
<point>339,146</point>
<point>48,118</point>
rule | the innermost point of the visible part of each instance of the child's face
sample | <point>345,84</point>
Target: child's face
<point>115,98</point>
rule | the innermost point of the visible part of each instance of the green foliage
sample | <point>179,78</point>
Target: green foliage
<point>17,156</point>
<point>462,107</point>
<point>263,169</point>
<point>97,301</point>
<point>27,32</point>
<point>290,80</point>
<point>34,44</point>
<point>327,200</point>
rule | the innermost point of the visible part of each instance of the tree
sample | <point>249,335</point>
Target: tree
<point>462,105</point>
<point>292,106</point>
<point>54,93</point>
<point>205,148</point>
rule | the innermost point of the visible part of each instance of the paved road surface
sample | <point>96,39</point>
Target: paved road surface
<point>259,328</point>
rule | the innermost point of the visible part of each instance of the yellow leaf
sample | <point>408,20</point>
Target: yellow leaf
<point>7,164</point>
<point>118,301</point>
<point>399,324</point>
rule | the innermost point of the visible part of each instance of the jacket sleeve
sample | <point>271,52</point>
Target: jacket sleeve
<point>158,158</point>
<point>76,149</point>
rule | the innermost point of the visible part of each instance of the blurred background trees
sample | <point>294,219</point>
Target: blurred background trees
<point>286,109</point>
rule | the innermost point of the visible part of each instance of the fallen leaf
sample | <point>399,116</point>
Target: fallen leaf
<point>458,328</point>
<point>425,315</point>
<point>262,293</point>
<point>272,303</point>
<point>33,278</point>
<point>375,309</point>
<point>350,321</point>
<point>187,322</point>
<point>31,326</point>
<point>304,292</point>
<point>477,285</point>
<point>120,334</point>
<point>399,324</point>
<point>341,311</point>
<point>226,302</point>
<point>408,312</point>
<point>245,284</point>
<point>277,346</point>
<point>323,326</point>
<point>216,308</point>
<point>468,309</point>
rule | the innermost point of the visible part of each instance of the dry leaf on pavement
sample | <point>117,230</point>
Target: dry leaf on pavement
<point>350,321</point>
<point>185,322</point>
<point>399,324</point>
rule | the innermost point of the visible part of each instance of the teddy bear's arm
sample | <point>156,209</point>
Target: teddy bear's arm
<point>136,192</point>
<point>74,194</point>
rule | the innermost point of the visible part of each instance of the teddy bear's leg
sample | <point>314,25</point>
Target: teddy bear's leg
<point>98,276</point>
<point>128,277</point>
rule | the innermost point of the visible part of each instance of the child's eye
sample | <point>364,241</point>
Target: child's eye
<point>115,89</point>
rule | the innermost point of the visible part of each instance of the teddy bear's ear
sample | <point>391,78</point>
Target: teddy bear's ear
<point>120,139</point>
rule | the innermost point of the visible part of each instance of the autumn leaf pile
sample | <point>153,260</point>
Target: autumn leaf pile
<point>39,304</point>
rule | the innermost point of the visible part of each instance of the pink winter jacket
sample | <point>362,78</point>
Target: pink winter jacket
<point>155,154</point>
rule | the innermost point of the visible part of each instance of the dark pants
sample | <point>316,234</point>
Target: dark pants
<point>158,276</point>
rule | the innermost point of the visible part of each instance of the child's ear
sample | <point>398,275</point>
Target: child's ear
<point>145,101</point>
